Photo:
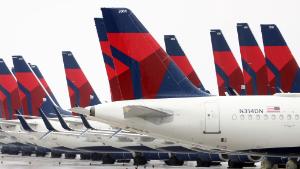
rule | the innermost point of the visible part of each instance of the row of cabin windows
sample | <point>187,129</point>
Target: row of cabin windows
<point>266,117</point>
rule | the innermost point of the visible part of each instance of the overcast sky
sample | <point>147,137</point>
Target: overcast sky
<point>40,29</point>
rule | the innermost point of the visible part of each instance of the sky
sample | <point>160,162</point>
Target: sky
<point>40,30</point>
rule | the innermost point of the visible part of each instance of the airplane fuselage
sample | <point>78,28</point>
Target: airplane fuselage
<point>263,124</point>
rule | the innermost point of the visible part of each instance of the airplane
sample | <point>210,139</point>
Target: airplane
<point>283,70</point>
<point>202,158</point>
<point>228,72</point>
<point>251,125</point>
<point>172,47</point>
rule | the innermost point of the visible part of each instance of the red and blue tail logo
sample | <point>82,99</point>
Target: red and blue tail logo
<point>108,60</point>
<point>229,74</point>
<point>147,71</point>
<point>41,78</point>
<point>283,70</point>
<point>32,94</point>
<point>178,56</point>
<point>81,92</point>
<point>9,93</point>
<point>253,60</point>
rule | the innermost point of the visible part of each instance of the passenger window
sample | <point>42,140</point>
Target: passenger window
<point>289,117</point>
<point>266,117</point>
<point>273,117</point>
<point>250,116</point>
<point>257,117</point>
<point>242,117</point>
<point>281,117</point>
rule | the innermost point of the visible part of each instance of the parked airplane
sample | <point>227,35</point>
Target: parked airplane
<point>221,123</point>
<point>205,158</point>
<point>179,153</point>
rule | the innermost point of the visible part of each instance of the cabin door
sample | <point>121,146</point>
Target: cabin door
<point>212,118</point>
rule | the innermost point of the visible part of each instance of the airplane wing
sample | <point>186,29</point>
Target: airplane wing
<point>14,123</point>
<point>8,123</point>
<point>80,110</point>
<point>287,94</point>
<point>152,115</point>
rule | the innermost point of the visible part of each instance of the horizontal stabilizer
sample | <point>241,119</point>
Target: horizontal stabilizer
<point>8,123</point>
<point>287,94</point>
<point>14,123</point>
<point>29,116</point>
<point>81,110</point>
<point>148,114</point>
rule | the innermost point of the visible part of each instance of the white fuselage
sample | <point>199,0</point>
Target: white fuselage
<point>228,123</point>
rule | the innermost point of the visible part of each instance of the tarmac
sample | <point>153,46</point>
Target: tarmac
<point>21,162</point>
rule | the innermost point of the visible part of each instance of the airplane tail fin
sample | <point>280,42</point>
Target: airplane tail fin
<point>41,78</point>
<point>108,60</point>
<point>144,70</point>
<point>81,92</point>
<point>229,74</point>
<point>9,93</point>
<point>178,56</point>
<point>283,70</point>
<point>32,94</point>
<point>253,60</point>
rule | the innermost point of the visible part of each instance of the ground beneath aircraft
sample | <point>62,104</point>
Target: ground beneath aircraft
<point>17,162</point>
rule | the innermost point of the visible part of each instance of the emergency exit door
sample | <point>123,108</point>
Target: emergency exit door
<point>212,118</point>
